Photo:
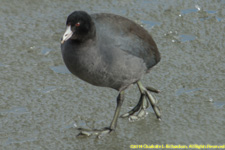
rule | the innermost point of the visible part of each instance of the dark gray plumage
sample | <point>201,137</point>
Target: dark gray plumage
<point>108,50</point>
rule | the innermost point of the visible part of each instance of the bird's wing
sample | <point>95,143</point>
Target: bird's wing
<point>122,33</point>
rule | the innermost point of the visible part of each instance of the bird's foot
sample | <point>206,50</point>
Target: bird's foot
<point>142,113</point>
<point>139,109</point>
<point>112,127</point>
<point>143,104</point>
<point>98,132</point>
<point>151,89</point>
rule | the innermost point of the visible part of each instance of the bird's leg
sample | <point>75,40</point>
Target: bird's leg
<point>143,104</point>
<point>100,132</point>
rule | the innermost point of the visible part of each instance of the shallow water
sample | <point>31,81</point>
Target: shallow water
<point>42,103</point>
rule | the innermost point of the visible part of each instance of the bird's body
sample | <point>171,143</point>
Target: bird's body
<point>110,51</point>
<point>119,54</point>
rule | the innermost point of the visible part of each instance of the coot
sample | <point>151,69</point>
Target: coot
<point>109,50</point>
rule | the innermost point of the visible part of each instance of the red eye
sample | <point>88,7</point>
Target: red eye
<point>77,24</point>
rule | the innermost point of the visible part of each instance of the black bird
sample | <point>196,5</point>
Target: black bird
<point>109,50</point>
